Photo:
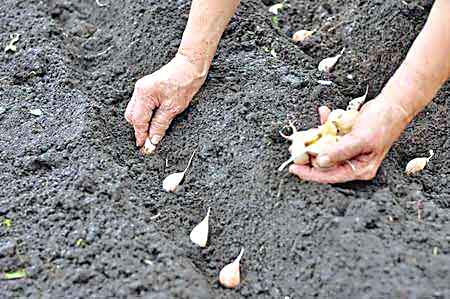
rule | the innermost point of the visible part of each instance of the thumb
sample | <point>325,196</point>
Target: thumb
<point>347,148</point>
<point>160,122</point>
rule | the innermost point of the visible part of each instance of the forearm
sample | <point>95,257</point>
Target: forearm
<point>427,65</point>
<point>207,22</point>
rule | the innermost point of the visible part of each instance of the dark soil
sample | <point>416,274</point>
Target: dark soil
<point>84,203</point>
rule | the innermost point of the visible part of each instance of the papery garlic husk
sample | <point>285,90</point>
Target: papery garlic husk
<point>302,35</point>
<point>148,148</point>
<point>328,128</point>
<point>417,164</point>
<point>356,103</point>
<point>327,64</point>
<point>199,234</point>
<point>321,145</point>
<point>230,275</point>
<point>346,121</point>
<point>172,181</point>
<point>275,8</point>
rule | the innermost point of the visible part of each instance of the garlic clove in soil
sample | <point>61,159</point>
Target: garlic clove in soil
<point>199,235</point>
<point>172,181</point>
<point>356,103</point>
<point>276,8</point>
<point>417,164</point>
<point>327,64</point>
<point>230,275</point>
<point>302,35</point>
<point>148,148</point>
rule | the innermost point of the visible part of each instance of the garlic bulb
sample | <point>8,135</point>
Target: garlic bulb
<point>230,275</point>
<point>417,164</point>
<point>172,181</point>
<point>356,103</point>
<point>199,235</point>
<point>327,64</point>
<point>302,35</point>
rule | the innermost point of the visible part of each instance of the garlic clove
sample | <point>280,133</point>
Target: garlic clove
<point>327,64</point>
<point>149,147</point>
<point>311,135</point>
<point>276,8</point>
<point>302,35</point>
<point>346,122</point>
<point>335,115</point>
<point>199,234</point>
<point>417,164</point>
<point>356,103</point>
<point>230,275</point>
<point>328,128</point>
<point>321,145</point>
<point>298,151</point>
<point>172,181</point>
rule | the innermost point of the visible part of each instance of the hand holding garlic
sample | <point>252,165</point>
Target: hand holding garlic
<point>358,154</point>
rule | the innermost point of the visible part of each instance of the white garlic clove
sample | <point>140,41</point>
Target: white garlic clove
<point>199,235</point>
<point>356,103</point>
<point>328,128</point>
<point>346,122</point>
<point>230,275</point>
<point>149,147</point>
<point>298,151</point>
<point>171,182</point>
<point>321,145</point>
<point>417,164</point>
<point>327,64</point>
<point>310,136</point>
<point>335,115</point>
<point>276,8</point>
<point>302,35</point>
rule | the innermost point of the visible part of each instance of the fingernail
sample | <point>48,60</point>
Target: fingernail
<point>324,161</point>
<point>156,139</point>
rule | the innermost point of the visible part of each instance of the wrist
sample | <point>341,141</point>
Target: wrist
<point>199,62</point>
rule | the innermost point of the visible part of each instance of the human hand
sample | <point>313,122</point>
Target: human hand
<point>159,97</point>
<point>358,155</point>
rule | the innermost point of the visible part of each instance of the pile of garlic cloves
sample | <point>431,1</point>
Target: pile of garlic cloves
<point>307,145</point>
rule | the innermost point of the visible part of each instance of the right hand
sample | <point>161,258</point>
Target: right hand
<point>159,97</point>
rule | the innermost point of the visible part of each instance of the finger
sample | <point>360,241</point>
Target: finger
<point>141,115</point>
<point>160,123</point>
<point>348,147</point>
<point>339,174</point>
<point>324,112</point>
<point>129,111</point>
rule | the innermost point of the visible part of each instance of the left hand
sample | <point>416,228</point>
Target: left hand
<point>358,155</point>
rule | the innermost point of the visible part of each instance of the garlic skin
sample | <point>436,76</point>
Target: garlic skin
<point>356,103</point>
<point>149,148</point>
<point>230,275</point>
<point>172,181</point>
<point>199,234</point>
<point>302,35</point>
<point>327,64</point>
<point>417,164</point>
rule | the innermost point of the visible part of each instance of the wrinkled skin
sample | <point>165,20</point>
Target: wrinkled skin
<point>376,129</point>
<point>158,98</point>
